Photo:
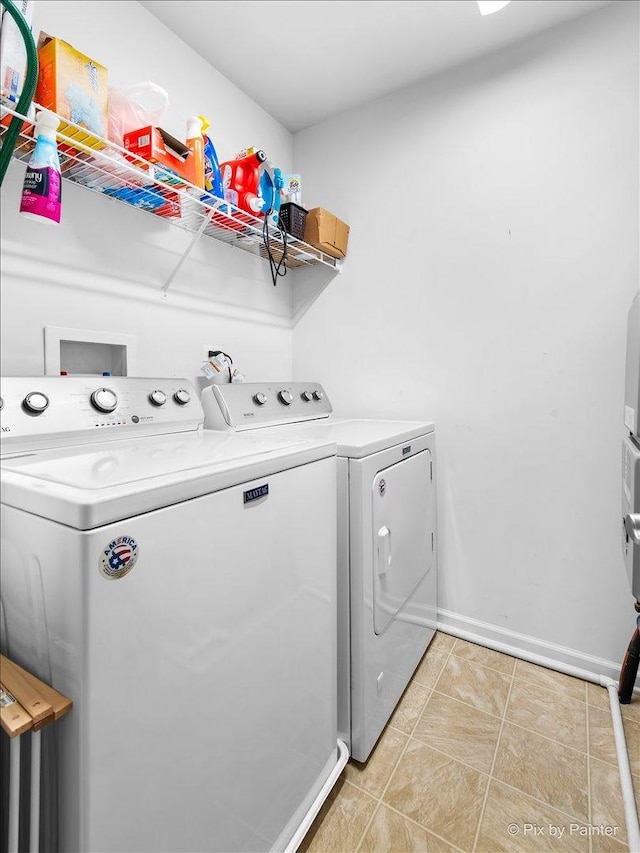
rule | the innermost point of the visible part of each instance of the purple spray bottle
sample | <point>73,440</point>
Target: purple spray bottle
<point>42,188</point>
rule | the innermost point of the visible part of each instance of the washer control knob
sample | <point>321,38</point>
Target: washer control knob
<point>182,397</point>
<point>285,397</point>
<point>260,398</point>
<point>157,398</point>
<point>318,395</point>
<point>36,402</point>
<point>307,396</point>
<point>104,400</point>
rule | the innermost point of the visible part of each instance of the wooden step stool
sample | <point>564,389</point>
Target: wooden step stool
<point>26,705</point>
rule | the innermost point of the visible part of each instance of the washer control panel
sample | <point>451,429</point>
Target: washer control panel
<point>54,409</point>
<point>250,405</point>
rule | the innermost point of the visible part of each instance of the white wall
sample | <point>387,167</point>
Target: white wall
<point>493,256</point>
<point>103,268</point>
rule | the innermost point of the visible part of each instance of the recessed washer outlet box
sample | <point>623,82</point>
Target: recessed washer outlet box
<point>89,353</point>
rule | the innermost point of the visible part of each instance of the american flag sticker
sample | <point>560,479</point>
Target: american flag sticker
<point>118,557</point>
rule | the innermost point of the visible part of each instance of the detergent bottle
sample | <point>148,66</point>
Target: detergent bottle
<point>195,143</point>
<point>42,188</point>
<point>241,182</point>
<point>212,178</point>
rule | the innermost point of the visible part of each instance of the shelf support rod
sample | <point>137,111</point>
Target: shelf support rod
<point>187,252</point>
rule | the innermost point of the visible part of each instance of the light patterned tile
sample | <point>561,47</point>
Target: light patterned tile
<point>606,798</point>
<point>340,822</point>
<point>632,737</point>
<point>598,696</point>
<point>429,669</point>
<point>632,710</point>
<point>546,770</point>
<point>601,741</point>
<point>514,821</point>
<point>435,784</point>
<point>374,774</point>
<point>484,689</point>
<point>439,793</point>
<point>550,679</point>
<point>604,844</point>
<point>409,707</point>
<point>462,732</point>
<point>549,713</point>
<point>441,642</point>
<point>485,657</point>
<point>389,832</point>
<point>636,789</point>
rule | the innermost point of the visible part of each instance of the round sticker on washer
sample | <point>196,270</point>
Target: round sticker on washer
<point>382,487</point>
<point>119,557</point>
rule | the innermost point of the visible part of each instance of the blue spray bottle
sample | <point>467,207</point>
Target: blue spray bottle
<point>271,184</point>
<point>212,176</point>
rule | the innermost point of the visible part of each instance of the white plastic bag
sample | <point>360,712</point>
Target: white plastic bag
<point>135,106</point>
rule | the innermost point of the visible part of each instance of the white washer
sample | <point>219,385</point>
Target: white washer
<point>387,563</point>
<point>161,577</point>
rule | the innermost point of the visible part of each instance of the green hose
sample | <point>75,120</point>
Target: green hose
<point>11,136</point>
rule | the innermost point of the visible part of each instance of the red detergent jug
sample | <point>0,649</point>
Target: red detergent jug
<point>241,181</point>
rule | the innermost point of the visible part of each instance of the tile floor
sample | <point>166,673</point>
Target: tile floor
<point>480,746</point>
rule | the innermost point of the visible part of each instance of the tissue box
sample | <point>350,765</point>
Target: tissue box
<point>326,232</point>
<point>73,86</point>
<point>13,56</point>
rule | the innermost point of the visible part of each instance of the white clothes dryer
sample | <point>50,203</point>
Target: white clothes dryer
<point>160,576</point>
<point>387,544</point>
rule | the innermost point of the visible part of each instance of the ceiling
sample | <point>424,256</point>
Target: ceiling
<point>306,61</point>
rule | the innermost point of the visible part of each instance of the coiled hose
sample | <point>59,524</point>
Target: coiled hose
<point>28,90</point>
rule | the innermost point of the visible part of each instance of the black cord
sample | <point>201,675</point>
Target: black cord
<point>214,352</point>
<point>278,268</point>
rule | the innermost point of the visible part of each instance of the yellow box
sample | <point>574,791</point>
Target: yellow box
<point>75,87</point>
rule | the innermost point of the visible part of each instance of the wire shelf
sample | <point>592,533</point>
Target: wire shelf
<point>100,166</point>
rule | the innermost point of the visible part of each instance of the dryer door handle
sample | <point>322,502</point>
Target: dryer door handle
<point>384,550</point>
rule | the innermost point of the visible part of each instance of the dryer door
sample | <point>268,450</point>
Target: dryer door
<point>403,514</point>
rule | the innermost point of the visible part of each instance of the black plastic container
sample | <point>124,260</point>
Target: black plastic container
<point>293,219</point>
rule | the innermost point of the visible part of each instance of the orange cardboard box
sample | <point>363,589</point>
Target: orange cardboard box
<point>73,86</point>
<point>159,147</point>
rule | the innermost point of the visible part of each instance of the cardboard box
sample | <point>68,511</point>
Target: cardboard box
<point>159,147</point>
<point>326,232</point>
<point>13,56</point>
<point>75,87</point>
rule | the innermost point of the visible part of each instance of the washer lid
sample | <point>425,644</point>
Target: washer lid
<point>355,438</point>
<point>87,486</point>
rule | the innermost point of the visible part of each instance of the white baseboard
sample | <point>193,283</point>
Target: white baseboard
<point>529,648</point>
